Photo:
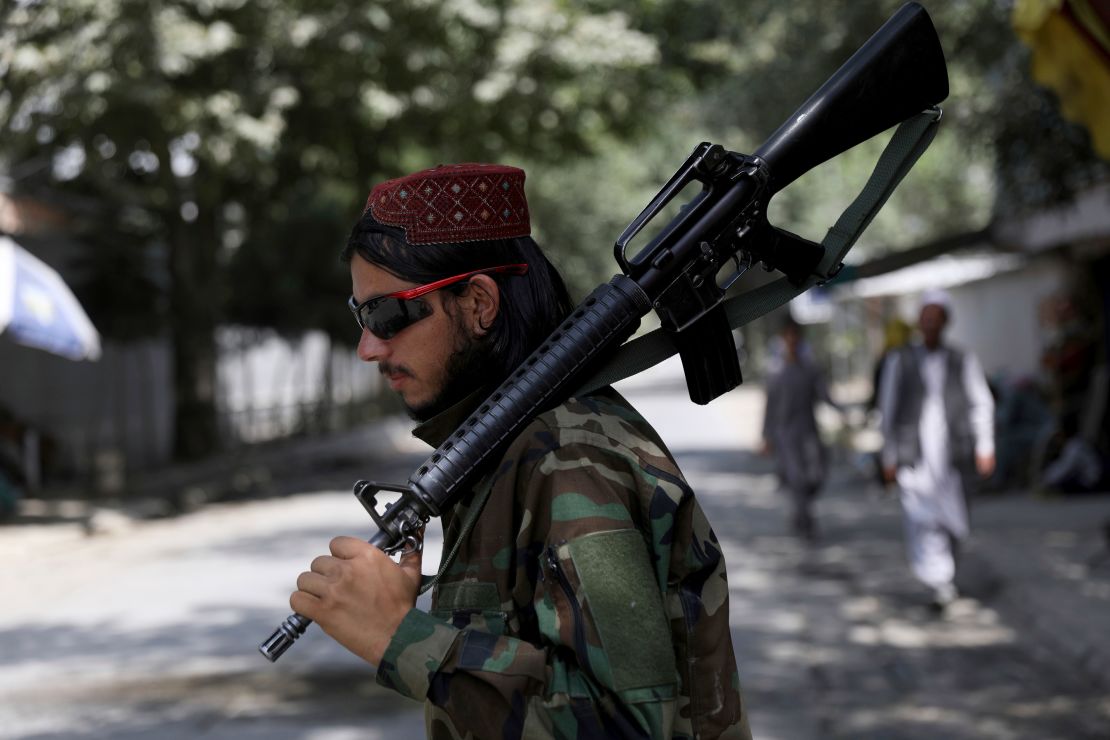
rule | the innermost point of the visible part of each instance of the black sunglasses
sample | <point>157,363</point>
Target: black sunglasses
<point>385,316</point>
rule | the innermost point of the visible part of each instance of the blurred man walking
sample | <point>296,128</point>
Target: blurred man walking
<point>790,430</point>
<point>938,433</point>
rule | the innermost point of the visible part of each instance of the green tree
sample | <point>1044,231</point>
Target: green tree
<point>229,143</point>
<point>214,153</point>
<point>1002,146</point>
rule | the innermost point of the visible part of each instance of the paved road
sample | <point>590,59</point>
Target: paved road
<point>149,630</point>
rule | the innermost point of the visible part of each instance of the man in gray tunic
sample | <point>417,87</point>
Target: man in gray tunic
<point>938,433</point>
<point>790,427</point>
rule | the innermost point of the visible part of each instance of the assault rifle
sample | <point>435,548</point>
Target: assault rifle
<point>682,273</point>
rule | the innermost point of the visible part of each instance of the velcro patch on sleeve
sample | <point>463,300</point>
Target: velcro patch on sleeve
<point>620,590</point>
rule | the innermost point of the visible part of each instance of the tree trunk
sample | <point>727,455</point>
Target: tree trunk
<point>194,310</point>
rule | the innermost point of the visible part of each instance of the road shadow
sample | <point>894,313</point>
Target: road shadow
<point>835,639</point>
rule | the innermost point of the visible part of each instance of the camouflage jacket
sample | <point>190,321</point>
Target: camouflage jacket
<point>589,600</point>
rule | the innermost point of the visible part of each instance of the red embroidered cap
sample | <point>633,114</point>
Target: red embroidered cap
<point>454,203</point>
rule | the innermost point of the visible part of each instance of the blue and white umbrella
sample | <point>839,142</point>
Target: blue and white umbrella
<point>39,310</point>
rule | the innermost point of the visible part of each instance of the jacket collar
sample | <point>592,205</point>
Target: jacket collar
<point>436,430</point>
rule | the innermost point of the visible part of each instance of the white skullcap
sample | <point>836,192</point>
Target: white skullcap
<point>937,297</point>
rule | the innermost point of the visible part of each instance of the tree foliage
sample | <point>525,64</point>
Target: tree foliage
<point>1002,147</point>
<point>237,139</point>
<point>214,153</point>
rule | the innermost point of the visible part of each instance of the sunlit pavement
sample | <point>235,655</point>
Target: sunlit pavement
<point>149,629</point>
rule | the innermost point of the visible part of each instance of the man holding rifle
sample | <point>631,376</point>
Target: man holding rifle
<point>582,592</point>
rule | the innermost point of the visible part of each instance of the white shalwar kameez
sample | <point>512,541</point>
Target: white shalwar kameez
<point>932,490</point>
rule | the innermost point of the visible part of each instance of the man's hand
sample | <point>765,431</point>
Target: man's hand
<point>984,464</point>
<point>358,595</point>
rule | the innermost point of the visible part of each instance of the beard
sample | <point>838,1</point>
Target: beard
<point>468,369</point>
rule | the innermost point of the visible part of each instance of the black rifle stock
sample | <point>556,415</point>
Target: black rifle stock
<point>897,73</point>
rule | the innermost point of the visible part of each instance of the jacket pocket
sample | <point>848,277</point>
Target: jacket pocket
<point>469,605</point>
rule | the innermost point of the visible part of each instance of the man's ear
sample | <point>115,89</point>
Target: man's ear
<point>480,303</point>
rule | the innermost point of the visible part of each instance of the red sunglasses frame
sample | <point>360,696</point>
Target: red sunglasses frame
<point>421,290</point>
<point>405,295</point>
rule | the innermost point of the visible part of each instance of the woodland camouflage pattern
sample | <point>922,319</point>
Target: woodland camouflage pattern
<point>589,601</point>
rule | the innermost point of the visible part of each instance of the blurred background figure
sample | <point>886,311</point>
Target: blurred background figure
<point>938,432</point>
<point>1067,458</point>
<point>794,386</point>
<point>1069,359</point>
<point>1021,416</point>
<point>896,334</point>
<point>10,464</point>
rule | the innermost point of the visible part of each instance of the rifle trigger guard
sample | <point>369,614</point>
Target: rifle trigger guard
<point>407,546</point>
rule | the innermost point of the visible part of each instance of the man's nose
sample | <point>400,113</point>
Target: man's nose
<point>372,349</point>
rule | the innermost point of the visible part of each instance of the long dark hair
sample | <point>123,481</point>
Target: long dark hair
<point>532,305</point>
